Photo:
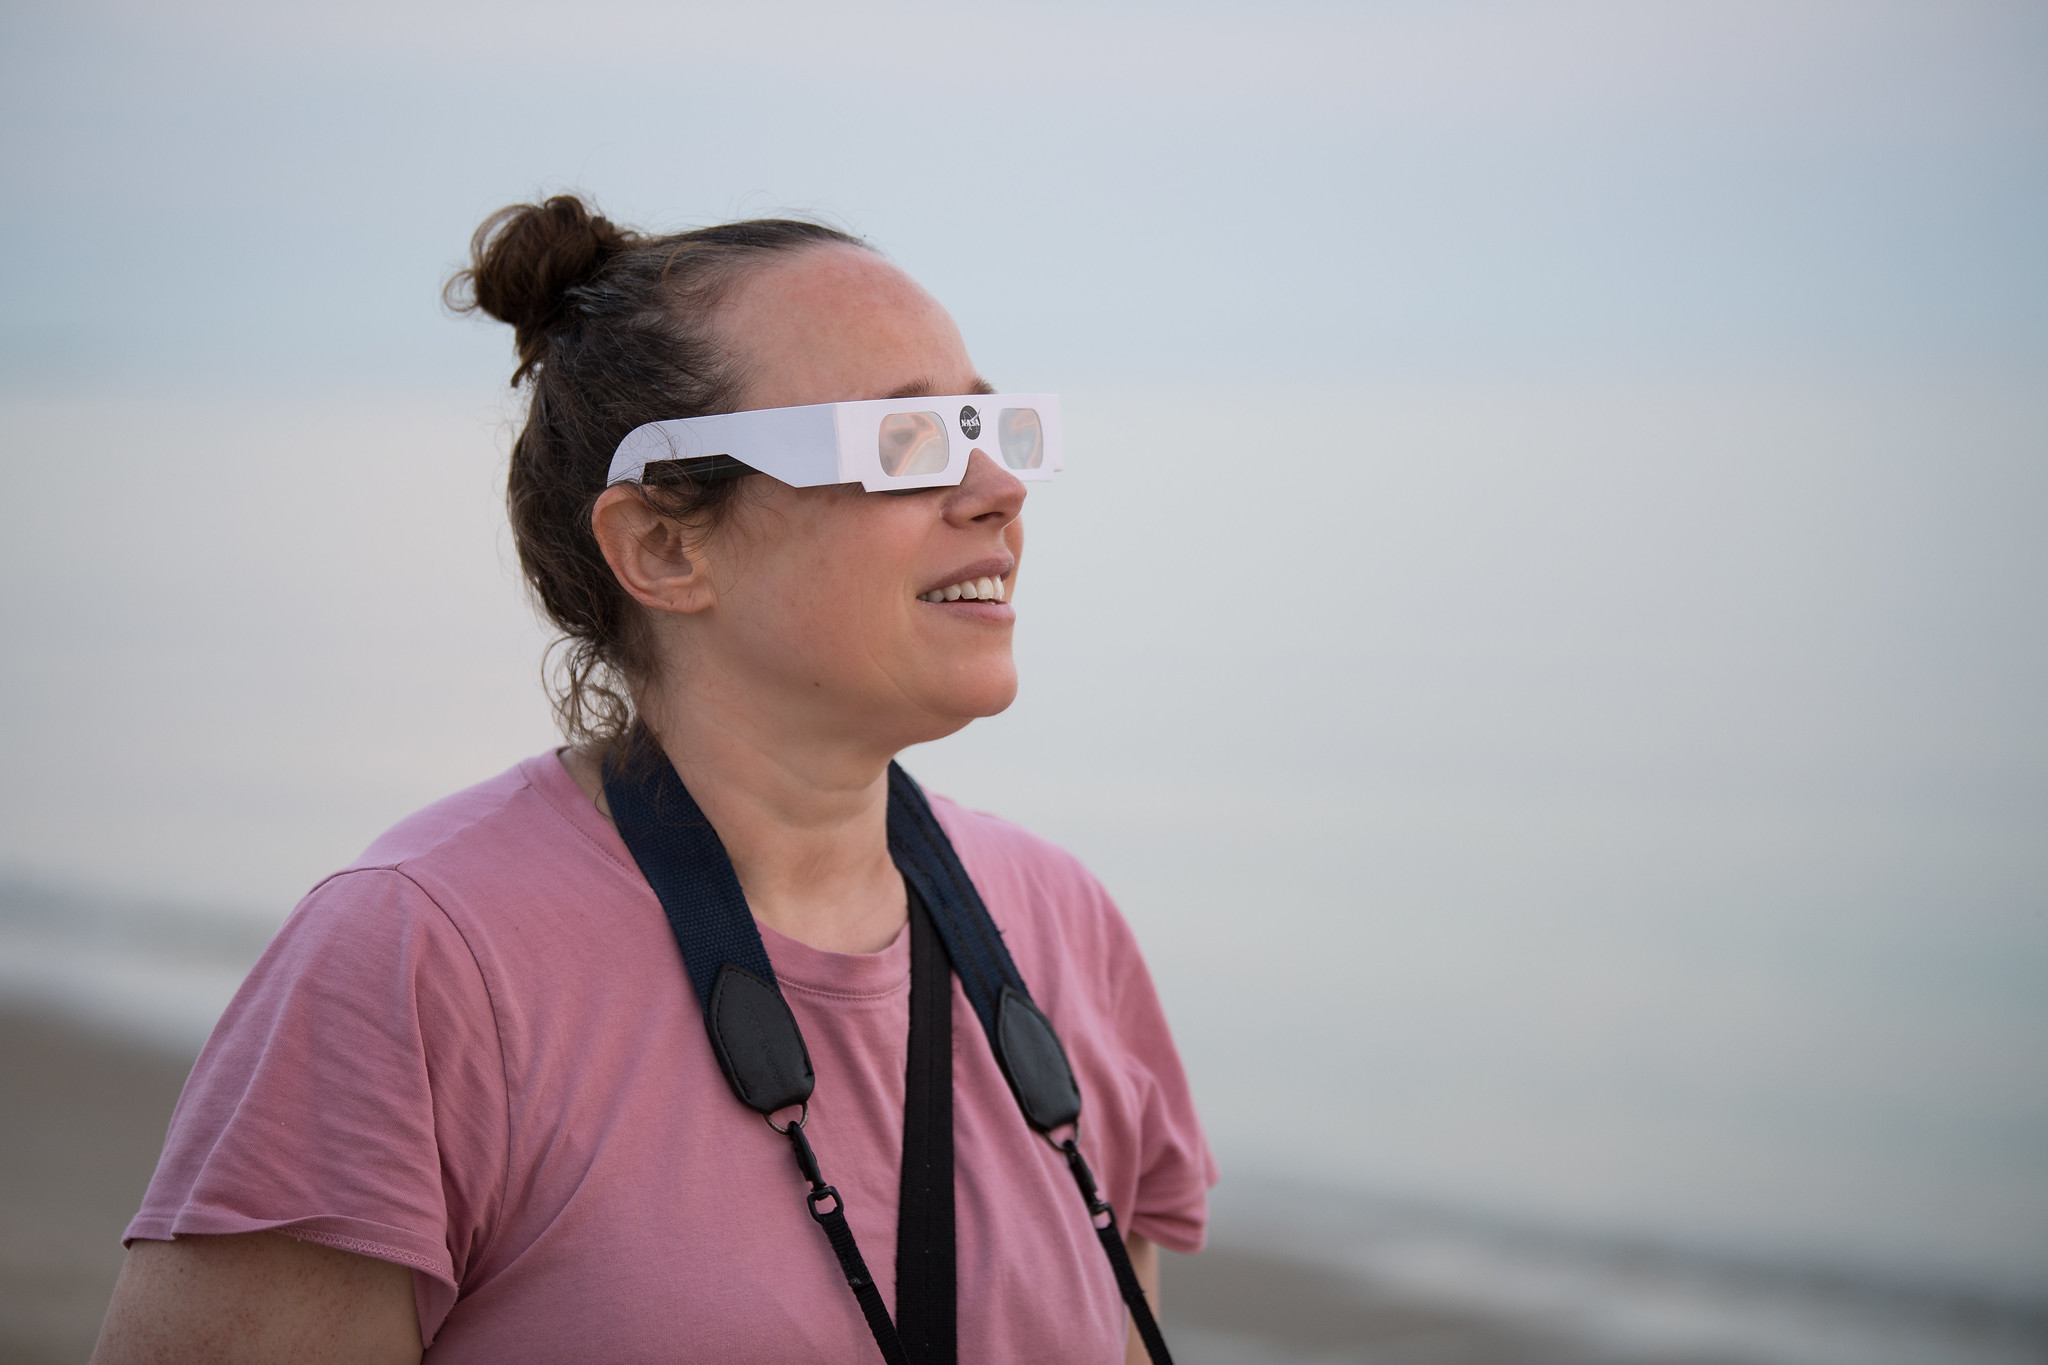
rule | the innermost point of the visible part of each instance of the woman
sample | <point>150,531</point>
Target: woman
<point>467,1104</point>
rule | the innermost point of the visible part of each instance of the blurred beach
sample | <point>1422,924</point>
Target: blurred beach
<point>104,1003</point>
<point>97,1029</point>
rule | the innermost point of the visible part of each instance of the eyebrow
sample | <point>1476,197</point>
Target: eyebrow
<point>925,388</point>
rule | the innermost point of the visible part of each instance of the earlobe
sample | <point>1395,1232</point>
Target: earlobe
<point>657,564</point>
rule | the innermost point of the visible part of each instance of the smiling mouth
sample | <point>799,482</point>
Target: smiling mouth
<point>967,590</point>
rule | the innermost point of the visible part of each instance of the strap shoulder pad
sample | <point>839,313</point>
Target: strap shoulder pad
<point>759,1046</point>
<point>1035,1063</point>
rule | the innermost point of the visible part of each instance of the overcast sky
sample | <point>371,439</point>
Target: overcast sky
<point>241,193</point>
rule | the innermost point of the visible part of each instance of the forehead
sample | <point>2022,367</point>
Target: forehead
<point>835,323</point>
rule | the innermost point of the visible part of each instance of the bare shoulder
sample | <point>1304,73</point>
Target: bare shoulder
<point>258,1296</point>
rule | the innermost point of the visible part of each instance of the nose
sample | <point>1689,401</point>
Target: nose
<point>989,495</point>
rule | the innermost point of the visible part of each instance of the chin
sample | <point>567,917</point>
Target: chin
<point>964,700</point>
<point>992,700</point>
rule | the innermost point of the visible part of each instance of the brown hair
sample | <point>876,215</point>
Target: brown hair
<point>612,328</point>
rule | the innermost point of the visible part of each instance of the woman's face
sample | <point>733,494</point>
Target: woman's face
<point>817,608</point>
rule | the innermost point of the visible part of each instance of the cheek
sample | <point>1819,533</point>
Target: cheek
<point>834,592</point>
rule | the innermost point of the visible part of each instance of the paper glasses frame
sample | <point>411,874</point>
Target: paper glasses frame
<point>827,443</point>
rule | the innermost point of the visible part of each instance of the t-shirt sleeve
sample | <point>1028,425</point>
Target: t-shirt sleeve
<point>1144,1137</point>
<point>1175,1168</point>
<point>352,1095</point>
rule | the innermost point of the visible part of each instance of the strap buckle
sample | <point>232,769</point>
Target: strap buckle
<point>817,1196</point>
<point>1099,1211</point>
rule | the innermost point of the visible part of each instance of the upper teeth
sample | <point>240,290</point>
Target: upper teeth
<point>973,590</point>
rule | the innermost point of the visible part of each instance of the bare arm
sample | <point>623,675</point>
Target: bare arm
<point>258,1297</point>
<point>1144,1260</point>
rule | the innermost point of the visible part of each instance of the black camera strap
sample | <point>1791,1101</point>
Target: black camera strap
<point>761,1050</point>
<point>927,1298</point>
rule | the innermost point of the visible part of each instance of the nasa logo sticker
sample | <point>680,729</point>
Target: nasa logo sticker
<point>970,423</point>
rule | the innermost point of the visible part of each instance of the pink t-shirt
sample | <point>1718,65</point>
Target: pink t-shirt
<point>476,1053</point>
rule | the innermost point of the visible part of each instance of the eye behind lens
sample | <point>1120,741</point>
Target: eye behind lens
<point>912,443</point>
<point>1022,437</point>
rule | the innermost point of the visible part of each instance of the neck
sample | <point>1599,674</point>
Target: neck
<point>804,821</point>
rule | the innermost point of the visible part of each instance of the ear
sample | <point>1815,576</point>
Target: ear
<point>656,563</point>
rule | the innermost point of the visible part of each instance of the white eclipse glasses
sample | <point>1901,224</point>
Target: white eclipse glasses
<point>882,444</point>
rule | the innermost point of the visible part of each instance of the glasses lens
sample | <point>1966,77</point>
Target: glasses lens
<point>913,443</point>
<point>1022,441</point>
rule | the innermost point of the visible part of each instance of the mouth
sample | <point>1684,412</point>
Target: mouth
<point>967,590</point>
<point>975,588</point>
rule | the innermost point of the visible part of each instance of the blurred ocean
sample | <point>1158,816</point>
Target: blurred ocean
<point>1589,837</point>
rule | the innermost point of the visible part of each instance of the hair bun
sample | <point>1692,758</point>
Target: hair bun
<point>524,260</point>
